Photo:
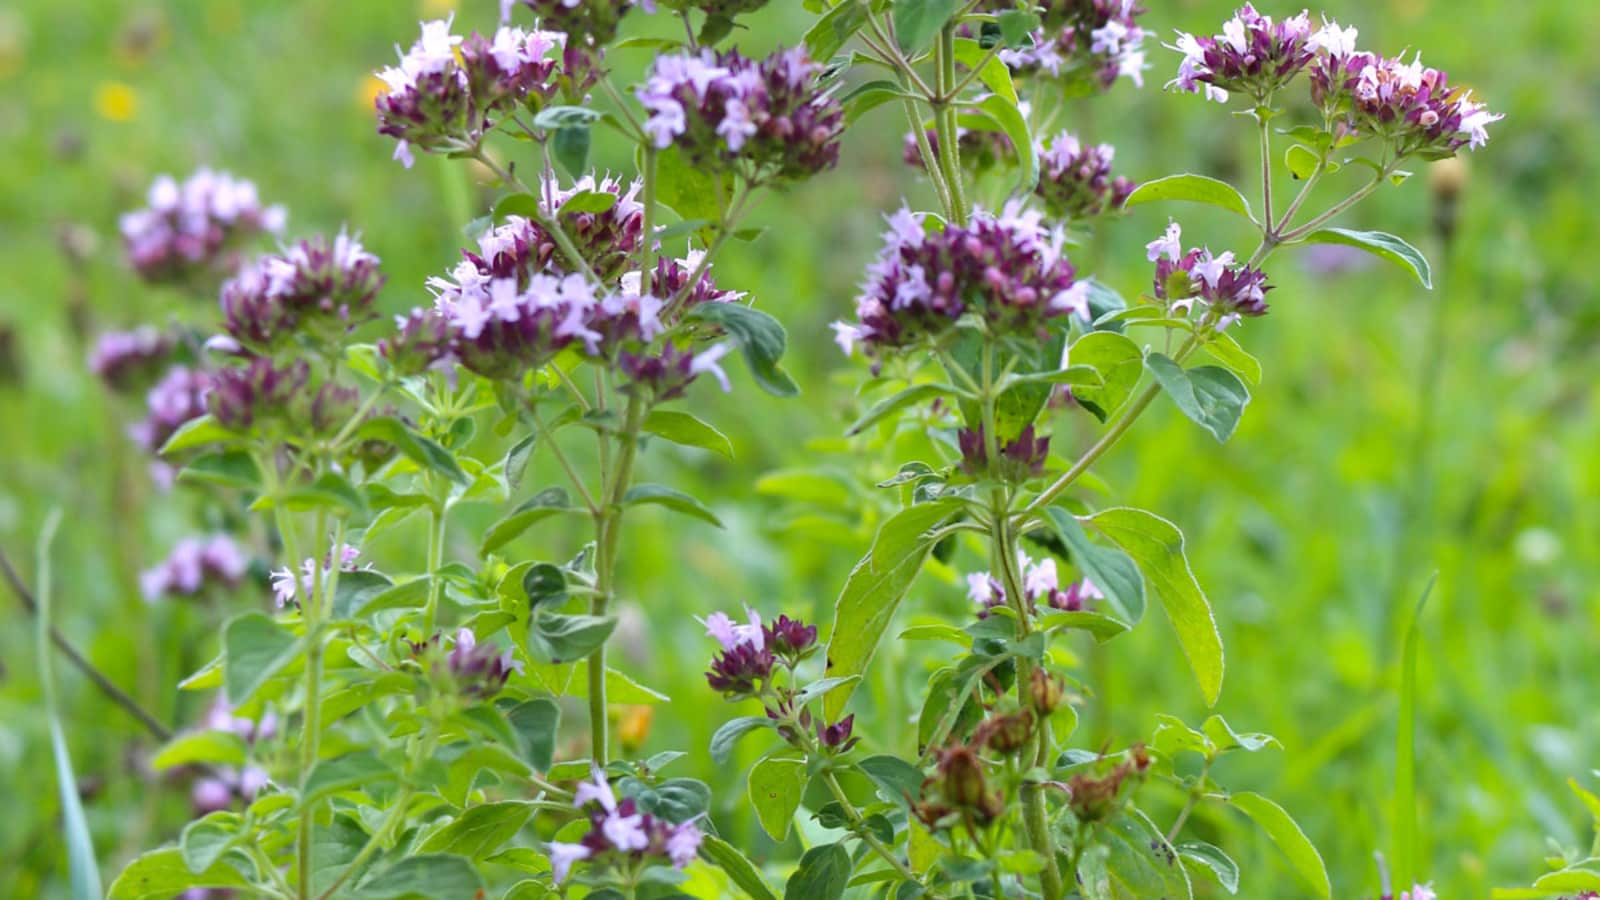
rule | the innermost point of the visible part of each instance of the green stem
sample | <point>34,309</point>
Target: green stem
<point>859,827</point>
<point>1266,168</point>
<point>310,729</point>
<point>548,220</point>
<point>374,843</point>
<point>1336,209</point>
<point>945,123</point>
<point>561,457</point>
<point>930,161</point>
<point>430,614</point>
<point>608,526</point>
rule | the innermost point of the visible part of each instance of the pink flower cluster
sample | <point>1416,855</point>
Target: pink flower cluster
<point>1095,41</point>
<point>448,91</point>
<point>1075,178</point>
<point>126,359</point>
<point>1041,585</point>
<point>1225,290</point>
<point>1007,269</point>
<point>195,228</point>
<point>194,565</point>
<point>287,586</point>
<point>619,832</point>
<point>481,670</point>
<point>178,397</point>
<point>722,109</point>
<point>980,150</point>
<point>1254,55</point>
<point>263,393</point>
<point>315,288</point>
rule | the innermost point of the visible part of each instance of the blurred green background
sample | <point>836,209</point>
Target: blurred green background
<point>1314,529</point>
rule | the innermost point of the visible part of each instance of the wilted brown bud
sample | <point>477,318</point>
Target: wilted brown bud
<point>1045,691</point>
<point>963,781</point>
<point>1009,733</point>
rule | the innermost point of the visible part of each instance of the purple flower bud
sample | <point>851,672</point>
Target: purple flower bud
<point>790,638</point>
<point>421,341</point>
<point>1254,55</point>
<point>620,833</point>
<point>195,229</point>
<point>1021,458</point>
<point>736,672</point>
<point>722,109</point>
<point>980,151</point>
<point>1075,179</point>
<point>480,670</point>
<point>126,360</point>
<point>1408,105</point>
<point>260,391</point>
<point>837,736</point>
<point>1224,290</point>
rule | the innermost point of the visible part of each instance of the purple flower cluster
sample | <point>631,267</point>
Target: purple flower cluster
<point>1006,268</point>
<point>195,565</point>
<point>262,393</point>
<point>127,359</point>
<point>1096,41</point>
<point>1075,179</point>
<point>314,288</point>
<point>721,109</point>
<point>1407,104</point>
<point>1254,55</point>
<point>224,785</point>
<point>980,150</point>
<point>1020,459</point>
<point>286,587</point>
<point>178,397</point>
<point>195,228</point>
<point>751,649</point>
<point>447,92</point>
<point>1225,290</point>
<point>619,832</point>
<point>510,307</point>
<point>1040,584</point>
<point>480,670</point>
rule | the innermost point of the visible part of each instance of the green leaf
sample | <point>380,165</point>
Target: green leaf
<point>1568,880</point>
<point>671,498</point>
<point>254,648</point>
<point>1157,546</point>
<point>1211,396</point>
<point>162,874</point>
<point>683,428</point>
<point>760,337</point>
<point>823,874</point>
<point>1005,112</point>
<point>837,26</point>
<point>1017,28</point>
<point>197,432</point>
<point>994,74</point>
<point>1218,863</point>
<point>688,190</point>
<point>203,841</point>
<point>558,638</point>
<point>516,462</point>
<point>537,723</point>
<point>1140,861</point>
<point>548,502</point>
<point>330,491</point>
<point>898,781</point>
<point>589,202</point>
<point>911,396</point>
<point>431,876</point>
<point>1111,570</point>
<point>480,830</point>
<point>411,594</point>
<point>821,688</point>
<point>1119,361</point>
<point>218,748</point>
<point>723,741</point>
<point>1227,351</point>
<point>1102,626</point>
<point>334,847</point>
<point>870,96</point>
<point>776,785</point>
<point>874,589</point>
<point>740,870</point>
<point>1224,738</point>
<point>230,469</point>
<point>353,770</point>
<point>1301,161</point>
<point>917,22</point>
<point>1380,244</point>
<point>420,450</point>
<point>1193,188</point>
<point>1290,839</point>
<point>570,147</point>
<point>355,589</point>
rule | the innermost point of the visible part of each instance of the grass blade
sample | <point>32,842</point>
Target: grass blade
<point>1405,767</point>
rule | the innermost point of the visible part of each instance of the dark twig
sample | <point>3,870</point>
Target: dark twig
<point>116,694</point>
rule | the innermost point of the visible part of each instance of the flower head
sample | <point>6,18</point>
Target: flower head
<point>196,228</point>
<point>1041,587</point>
<point>980,150</point>
<point>177,398</point>
<point>619,832</point>
<point>193,566</point>
<point>480,670</point>
<point>1090,43</point>
<point>1021,458</point>
<point>125,360</point>
<point>1006,268</point>
<point>722,109</point>
<point>1225,290</point>
<point>1408,105</point>
<point>1254,55</point>
<point>315,287</point>
<point>1075,179</point>
<point>286,586</point>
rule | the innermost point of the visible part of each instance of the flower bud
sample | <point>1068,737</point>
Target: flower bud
<point>1009,733</point>
<point>962,779</point>
<point>1045,691</point>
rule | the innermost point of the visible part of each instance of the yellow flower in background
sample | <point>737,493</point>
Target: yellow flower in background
<point>115,101</point>
<point>369,90</point>
<point>438,8</point>
<point>12,43</point>
<point>634,727</point>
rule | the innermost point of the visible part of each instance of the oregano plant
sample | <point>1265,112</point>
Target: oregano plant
<point>381,733</point>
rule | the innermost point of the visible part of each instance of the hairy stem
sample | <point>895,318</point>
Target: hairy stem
<point>430,614</point>
<point>859,827</point>
<point>944,117</point>
<point>930,161</point>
